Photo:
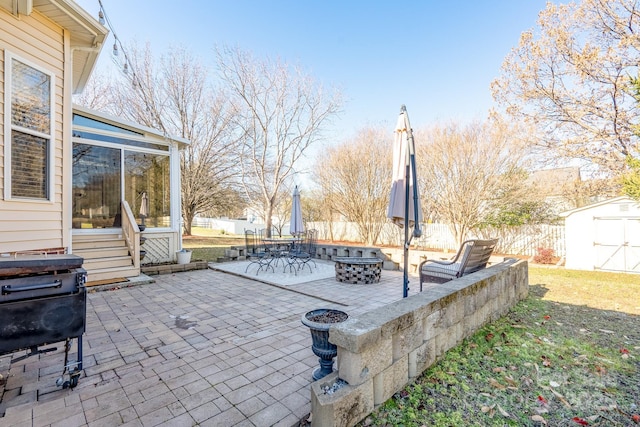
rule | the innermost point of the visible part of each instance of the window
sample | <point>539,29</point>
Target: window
<point>29,116</point>
<point>147,175</point>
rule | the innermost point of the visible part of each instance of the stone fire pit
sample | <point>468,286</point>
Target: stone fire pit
<point>358,270</point>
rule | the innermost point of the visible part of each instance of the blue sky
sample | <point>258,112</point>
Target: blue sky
<point>437,57</point>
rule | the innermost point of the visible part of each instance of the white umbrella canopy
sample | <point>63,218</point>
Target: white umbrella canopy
<point>296,227</point>
<point>144,206</point>
<point>403,147</point>
<point>404,203</point>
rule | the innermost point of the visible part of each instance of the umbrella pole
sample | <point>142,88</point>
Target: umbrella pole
<point>405,287</point>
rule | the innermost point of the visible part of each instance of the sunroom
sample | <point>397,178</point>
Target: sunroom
<point>125,195</point>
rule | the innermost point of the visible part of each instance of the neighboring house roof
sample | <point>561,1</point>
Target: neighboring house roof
<point>595,205</point>
<point>116,121</point>
<point>554,182</point>
<point>87,34</point>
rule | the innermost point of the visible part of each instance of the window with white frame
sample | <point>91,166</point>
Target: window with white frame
<point>29,117</point>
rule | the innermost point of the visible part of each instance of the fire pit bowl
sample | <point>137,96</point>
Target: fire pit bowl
<point>319,322</point>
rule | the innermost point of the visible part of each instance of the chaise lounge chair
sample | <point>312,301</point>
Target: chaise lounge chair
<point>472,256</point>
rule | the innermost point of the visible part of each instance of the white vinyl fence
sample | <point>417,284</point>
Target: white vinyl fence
<point>523,240</point>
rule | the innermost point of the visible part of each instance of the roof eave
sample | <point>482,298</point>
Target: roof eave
<point>87,34</point>
<point>99,115</point>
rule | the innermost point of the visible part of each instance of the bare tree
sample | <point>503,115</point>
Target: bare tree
<point>98,94</point>
<point>466,173</point>
<point>174,95</point>
<point>280,113</point>
<point>357,176</point>
<point>571,81</point>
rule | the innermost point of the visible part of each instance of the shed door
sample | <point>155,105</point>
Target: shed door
<point>617,244</point>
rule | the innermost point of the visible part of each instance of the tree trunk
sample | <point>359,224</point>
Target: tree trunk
<point>188,219</point>
<point>267,220</point>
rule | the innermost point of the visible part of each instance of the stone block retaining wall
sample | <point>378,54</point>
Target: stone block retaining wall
<point>392,258</point>
<point>383,350</point>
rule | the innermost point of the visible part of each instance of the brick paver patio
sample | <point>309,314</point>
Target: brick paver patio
<point>200,348</point>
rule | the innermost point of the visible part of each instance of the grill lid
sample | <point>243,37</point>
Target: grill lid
<point>34,264</point>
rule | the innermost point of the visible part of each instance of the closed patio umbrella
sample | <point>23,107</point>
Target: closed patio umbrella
<point>404,203</point>
<point>144,206</point>
<point>296,227</point>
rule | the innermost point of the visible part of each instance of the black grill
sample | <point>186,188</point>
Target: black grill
<point>43,301</point>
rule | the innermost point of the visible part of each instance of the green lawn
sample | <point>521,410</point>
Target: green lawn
<point>209,245</point>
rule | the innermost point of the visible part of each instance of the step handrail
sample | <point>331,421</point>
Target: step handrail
<point>131,233</point>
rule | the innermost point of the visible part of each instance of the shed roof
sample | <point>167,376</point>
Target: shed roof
<point>595,205</point>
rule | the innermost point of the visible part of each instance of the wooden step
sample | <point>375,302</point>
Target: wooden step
<point>97,236</point>
<point>100,263</point>
<point>111,273</point>
<point>101,243</point>
<point>89,254</point>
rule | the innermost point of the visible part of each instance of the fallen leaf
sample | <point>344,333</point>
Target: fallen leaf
<point>561,398</point>
<point>486,409</point>
<point>635,418</point>
<point>539,419</point>
<point>503,412</point>
<point>606,331</point>
<point>624,351</point>
<point>580,421</point>
<point>545,361</point>
<point>554,384</point>
<point>499,369</point>
<point>496,384</point>
<point>547,317</point>
<point>542,400</point>
<point>510,381</point>
<point>518,327</point>
<point>489,336</point>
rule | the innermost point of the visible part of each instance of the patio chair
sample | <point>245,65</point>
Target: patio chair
<point>275,250</point>
<point>472,256</point>
<point>303,253</point>
<point>256,253</point>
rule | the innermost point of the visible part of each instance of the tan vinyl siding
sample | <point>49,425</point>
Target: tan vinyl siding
<point>29,225</point>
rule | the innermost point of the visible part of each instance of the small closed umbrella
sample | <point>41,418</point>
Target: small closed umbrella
<point>404,205</point>
<point>296,227</point>
<point>144,206</point>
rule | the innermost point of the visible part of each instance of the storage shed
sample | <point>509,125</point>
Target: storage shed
<point>604,236</point>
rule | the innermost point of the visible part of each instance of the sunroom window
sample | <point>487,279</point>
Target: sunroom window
<point>29,110</point>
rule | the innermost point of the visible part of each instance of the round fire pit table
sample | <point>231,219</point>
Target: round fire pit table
<point>358,270</point>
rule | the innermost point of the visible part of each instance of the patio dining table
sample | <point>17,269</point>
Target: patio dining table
<point>280,246</point>
<point>287,242</point>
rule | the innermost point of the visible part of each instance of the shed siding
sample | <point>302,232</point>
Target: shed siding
<point>33,225</point>
<point>580,231</point>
